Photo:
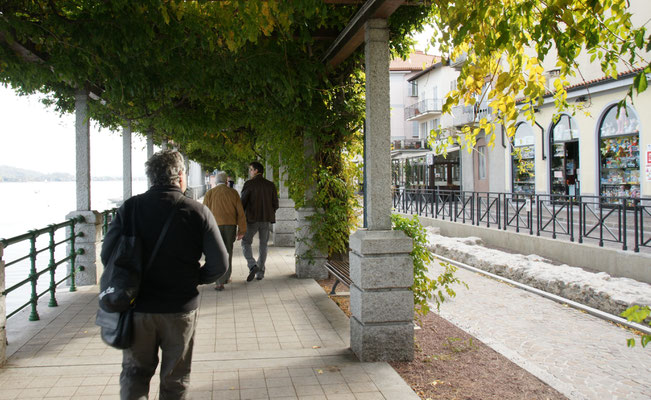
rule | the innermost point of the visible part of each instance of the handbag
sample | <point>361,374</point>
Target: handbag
<point>124,268</point>
<point>116,328</point>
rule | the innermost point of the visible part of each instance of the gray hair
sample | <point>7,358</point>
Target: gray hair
<point>221,177</point>
<point>163,167</point>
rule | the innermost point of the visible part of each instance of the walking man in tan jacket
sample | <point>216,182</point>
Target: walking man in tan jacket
<point>226,206</point>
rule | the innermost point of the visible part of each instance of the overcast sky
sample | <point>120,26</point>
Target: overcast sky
<point>37,138</point>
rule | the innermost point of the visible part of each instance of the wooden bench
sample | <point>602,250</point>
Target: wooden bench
<point>341,272</point>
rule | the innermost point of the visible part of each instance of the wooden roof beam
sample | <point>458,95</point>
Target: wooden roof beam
<point>31,56</point>
<point>352,36</point>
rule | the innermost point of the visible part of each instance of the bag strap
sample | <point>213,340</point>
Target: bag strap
<point>163,232</point>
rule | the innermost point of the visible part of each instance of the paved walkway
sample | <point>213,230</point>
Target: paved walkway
<point>279,338</point>
<point>580,355</point>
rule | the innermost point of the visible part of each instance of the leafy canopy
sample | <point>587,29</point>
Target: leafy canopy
<point>507,42</point>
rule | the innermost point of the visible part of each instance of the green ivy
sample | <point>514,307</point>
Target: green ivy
<point>424,287</point>
<point>638,314</point>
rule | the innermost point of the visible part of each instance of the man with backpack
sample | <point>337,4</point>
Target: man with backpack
<point>166,306</point>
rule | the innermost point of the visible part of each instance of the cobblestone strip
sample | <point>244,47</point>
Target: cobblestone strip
<point>581,356</point>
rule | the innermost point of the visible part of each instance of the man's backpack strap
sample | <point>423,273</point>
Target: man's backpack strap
<point>163,232</point>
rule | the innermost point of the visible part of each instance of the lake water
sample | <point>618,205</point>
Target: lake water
<point>34,205</point>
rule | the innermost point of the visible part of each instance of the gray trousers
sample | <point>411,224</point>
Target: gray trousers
<point>229,234</point>
<point>262,228</point>
<point>174,335</point>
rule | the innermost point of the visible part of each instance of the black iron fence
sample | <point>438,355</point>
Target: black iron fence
<point>625,220</point>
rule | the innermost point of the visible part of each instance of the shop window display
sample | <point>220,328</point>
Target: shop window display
<point>564,167</point>
<point>620,154</point>
<point>523,164</point>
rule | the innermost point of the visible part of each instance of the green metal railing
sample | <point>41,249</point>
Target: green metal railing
<point>34,273</point>
<point>107,217</point>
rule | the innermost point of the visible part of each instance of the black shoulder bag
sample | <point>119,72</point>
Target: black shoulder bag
<point>120,283</point>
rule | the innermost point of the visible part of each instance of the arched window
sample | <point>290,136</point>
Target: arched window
<point>523,159</point>
<point>564,166</point>
<point>619,153</point>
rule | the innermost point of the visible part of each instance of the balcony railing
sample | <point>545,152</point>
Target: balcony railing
<point>459,61</point>
<point>468,115</point>
<point>428,106</point>
<point>410,144</point>
<point>623,221</point>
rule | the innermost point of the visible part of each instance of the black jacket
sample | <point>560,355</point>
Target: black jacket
<point>170,285</point>
<point>260,200</point>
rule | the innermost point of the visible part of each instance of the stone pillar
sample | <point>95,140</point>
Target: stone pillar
<point>309,261</point>
<point>126,162</point>
<point>285,226</point>
<point>150,150</point>
<point>269,175</point>
<point>88,266</point>
<point>269,171</point>
<point>381,270</point>
<point>82,144</point>
<point>3,310</point>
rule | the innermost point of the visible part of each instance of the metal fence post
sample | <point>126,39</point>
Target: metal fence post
<point>538,215</point>
<point>601,224</point>
<point>570,219</point>
<point>623,224</point>
<point>3,309</point>
<point>553,218</point>
<point>52,266</point>
<point>33,277</point>
<point>581,222</point>
<point>636,247</point>
<point>73,254</point>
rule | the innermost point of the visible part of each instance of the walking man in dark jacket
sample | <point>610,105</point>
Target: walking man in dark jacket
<point>166,307</point>
<point>260,201</point>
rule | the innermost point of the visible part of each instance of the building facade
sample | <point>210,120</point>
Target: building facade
<point>594,152</point>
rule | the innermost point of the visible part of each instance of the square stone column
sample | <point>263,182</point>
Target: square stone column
<point>3,310</point>
<point>269,175</point>
<point>82,150</point>
<point>126,162</point>
<point>309,261</point>
<point>381,270</point>
<point>285,226</point>
<point>381,304</point>
<point>150,150</point>
<point>88,266</point>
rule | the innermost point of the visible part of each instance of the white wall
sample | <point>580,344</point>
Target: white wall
<point>588,125</point>
<point>398,92</point>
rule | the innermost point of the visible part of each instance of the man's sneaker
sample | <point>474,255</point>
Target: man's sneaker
<point>219,287</point>
<point>252,273</point>
<point>259,275</point>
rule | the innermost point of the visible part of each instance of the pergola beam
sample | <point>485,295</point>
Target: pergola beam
<point>352,36</point>
<point>31,56</point>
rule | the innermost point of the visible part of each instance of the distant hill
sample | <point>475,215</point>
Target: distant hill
<point>11,174</point>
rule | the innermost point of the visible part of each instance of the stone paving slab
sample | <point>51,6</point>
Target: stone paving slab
<point>581,356</point>
<point>279,338</point>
